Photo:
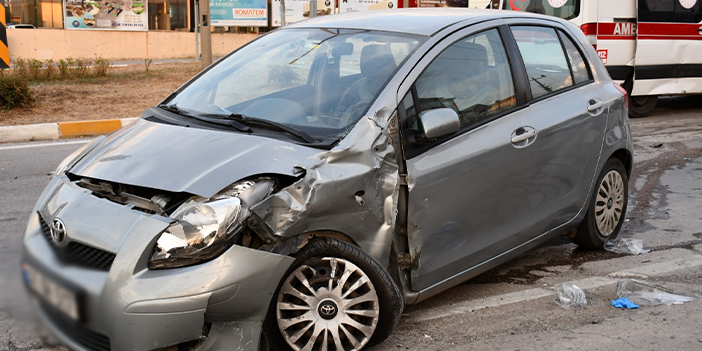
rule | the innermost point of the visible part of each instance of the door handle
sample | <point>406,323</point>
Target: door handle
<point>594,105</point>
<point>526,135</point>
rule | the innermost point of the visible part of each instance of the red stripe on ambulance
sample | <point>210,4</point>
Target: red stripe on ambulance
<point>670,31</point>
<point>616,31</point>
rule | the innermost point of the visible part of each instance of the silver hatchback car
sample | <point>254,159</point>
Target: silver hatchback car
<point>303,189</point>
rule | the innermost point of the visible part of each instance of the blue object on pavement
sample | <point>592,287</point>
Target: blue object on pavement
<point>623,302</point>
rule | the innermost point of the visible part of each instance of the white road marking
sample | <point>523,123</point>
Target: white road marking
<point>13,147</point>
<point>644,271</point>
<point>659,268</point>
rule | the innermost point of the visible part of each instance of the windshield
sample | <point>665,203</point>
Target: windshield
<point>319,81</point>
<point>565,9</point>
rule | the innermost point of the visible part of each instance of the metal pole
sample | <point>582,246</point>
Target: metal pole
<point>282,13</point>
<point>205,34</point>
<point>197,30</point>
<point>313,8</point>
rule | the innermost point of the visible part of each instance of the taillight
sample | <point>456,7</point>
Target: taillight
<point>623,91</point>
<point>590,30</point>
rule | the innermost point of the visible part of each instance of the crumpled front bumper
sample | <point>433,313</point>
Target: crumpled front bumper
<point>130,307</point>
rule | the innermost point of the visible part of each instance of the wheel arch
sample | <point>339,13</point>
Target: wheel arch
<point>332,234</point>
<point>626,159</point>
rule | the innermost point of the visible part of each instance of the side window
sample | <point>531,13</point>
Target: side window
<point>412,123</point>
<point>565,9</point>
<point>577,64</point>
<point>472,77</point>
<point>545,61</point>
<point>686,11</point>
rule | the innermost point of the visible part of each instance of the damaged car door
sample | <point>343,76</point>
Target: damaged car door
<point>469,193</point>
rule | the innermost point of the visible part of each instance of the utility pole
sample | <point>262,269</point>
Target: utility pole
<point>313,8</point>
<point>205,33</point>
<point>197,30</point>
<point>282,13</point>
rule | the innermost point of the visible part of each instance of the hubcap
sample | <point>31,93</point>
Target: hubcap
<point>328,309</point>
<point>327,304</point>
<point>609,203</point>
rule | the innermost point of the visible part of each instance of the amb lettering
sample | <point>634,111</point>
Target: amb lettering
<point>625,29</point>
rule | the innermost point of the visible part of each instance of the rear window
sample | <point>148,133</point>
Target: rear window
<point>565,9</point>
<point>686,11</point>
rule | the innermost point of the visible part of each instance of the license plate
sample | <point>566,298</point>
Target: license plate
<point>56,295</point>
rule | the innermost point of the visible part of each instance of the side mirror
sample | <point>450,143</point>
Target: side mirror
<point>439,122</point>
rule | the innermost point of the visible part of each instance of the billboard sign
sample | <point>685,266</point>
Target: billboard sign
<point>365,5</point>
<point>242,13</point>
<point>442,3</point>
<point>298,10</point>
<point>106,14</point>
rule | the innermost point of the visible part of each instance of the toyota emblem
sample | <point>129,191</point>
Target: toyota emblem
<point>58,231</point>
<point>328,309</point>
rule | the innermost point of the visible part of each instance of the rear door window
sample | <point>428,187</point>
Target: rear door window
<point>686,11</point>
<point>545,61</point>
<point>578,66</point>
<point>565,9</point>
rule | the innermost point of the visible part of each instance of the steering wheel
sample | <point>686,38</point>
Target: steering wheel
<point>352,102</point>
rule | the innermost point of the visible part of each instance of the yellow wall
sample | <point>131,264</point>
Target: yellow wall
<point>56,44</point>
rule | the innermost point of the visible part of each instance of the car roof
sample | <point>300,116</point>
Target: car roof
<point>421,21</point>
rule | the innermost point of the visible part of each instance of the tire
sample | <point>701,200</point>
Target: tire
<point>641,106</point>
<point>607,207</point>
<point>368,304</point>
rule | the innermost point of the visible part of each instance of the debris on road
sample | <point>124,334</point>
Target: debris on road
<point>647,294</point>
<point>626,246</point>
<point>623,302</point>
<point>570,295</point>
<point>656,146</point>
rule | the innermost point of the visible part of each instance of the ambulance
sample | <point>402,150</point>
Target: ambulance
<point>650,47</point>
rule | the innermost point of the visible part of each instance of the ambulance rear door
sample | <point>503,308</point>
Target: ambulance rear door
<point>669,47</point>
<point>616,37</point>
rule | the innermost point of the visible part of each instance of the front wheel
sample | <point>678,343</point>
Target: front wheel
<point>642,106</point>
<point>607,207</point>
<point>333,297</point>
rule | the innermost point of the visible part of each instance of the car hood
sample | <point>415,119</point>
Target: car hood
<point>192,160</point>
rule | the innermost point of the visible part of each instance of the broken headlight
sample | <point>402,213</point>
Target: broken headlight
<point>205,228</point>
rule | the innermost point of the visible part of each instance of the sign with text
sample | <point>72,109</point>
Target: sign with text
<point>442,3</point>
<point>242,13</point>
<point>365,5</point>
<point>106,14</point>
<point>298,10</point>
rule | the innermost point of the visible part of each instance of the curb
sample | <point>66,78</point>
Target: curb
<point>61,130</point>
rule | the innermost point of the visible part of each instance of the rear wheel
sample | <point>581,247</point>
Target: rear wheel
<point>334,297</point>
<point>607,207</point>
<point>642,106</point>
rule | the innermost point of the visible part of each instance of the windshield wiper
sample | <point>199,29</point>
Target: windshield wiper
<point>271,125</point>
<point>207,118</point>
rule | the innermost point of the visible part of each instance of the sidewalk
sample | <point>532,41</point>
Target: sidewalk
<point>61,130</point>
<point>65,130</point>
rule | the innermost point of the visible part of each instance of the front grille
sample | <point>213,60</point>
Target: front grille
<point>79,254</point>
<point>76,332</point>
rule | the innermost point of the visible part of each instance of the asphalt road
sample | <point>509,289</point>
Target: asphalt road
<point>511,307</point>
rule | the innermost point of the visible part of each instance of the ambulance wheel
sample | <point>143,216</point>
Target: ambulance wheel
<point>641,106</point>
